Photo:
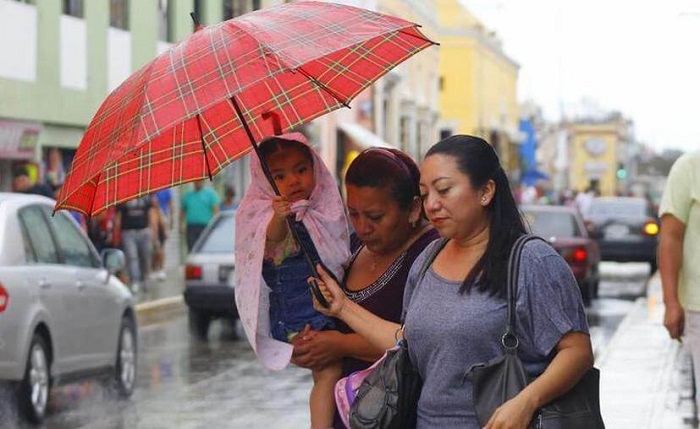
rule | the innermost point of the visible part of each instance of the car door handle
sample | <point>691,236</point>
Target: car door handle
<point>44,284</point>
<point>81,285</point>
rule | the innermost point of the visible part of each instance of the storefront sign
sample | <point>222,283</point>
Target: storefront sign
<point>18,139</point>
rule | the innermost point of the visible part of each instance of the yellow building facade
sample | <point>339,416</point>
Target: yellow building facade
<point>597,152</point>
<point>478,90</point>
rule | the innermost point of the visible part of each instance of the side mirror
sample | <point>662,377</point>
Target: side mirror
<point>113,260</point>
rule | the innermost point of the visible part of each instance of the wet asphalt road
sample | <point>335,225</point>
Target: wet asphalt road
<point>186,383</point>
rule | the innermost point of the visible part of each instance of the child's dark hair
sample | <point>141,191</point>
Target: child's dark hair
<point>276,144</point>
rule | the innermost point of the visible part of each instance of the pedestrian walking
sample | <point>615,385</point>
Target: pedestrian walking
<point>455,313</point>
<point>164,225</point>
<point>135,230</point>
<point>269,254</point>
<point>198,205</point>
<point>100,229</point>
<point>21,182</point>
<point>229,202</point>
<point>679,247</point>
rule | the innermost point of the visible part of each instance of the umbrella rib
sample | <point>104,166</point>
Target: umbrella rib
<point>204,148</point>
<point>322,86</point>
<point>425,39</point>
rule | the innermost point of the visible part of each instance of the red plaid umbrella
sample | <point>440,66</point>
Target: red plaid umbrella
<point>197,107</point>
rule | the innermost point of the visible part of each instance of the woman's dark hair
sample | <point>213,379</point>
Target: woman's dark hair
<point>275,144</point>
<point>478,160</point>
<point>390,168</point>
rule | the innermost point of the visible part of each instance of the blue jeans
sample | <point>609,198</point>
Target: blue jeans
<point>291,304</point>
<point>138,248</point>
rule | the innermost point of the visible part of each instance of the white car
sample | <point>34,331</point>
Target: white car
<point>64,316</point>
<point>209,288</point>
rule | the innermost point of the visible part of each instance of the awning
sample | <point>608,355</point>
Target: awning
<point>361,136</point>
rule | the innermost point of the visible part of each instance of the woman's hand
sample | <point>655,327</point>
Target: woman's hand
<point>513,414</point>
<point>316,349</point>
<point>331,291</point>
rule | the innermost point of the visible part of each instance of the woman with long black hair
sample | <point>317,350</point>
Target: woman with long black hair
<point>455,314</point>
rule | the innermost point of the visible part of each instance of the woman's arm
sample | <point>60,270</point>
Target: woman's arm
<point>378,332</point>
<point>573,358</point>
<point>318,349</point>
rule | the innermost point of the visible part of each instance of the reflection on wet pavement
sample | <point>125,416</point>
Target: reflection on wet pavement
<point>186,383</point>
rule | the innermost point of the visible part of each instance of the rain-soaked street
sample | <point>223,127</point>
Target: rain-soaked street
<point>185,383</point>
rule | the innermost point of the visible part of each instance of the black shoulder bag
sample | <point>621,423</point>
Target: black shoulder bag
<point>500,379</point>
<point>388,396</point>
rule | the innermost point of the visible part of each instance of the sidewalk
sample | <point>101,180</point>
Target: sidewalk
<point>160,300</point>
<point>645,376</point>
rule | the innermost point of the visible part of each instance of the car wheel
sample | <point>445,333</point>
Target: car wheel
<point>199,324</point>
<point>586,292</point>
<point>595,283</point>
<point>125,374</point>
<point>33,390</point>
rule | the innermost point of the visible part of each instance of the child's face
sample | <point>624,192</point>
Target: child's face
<point>293,173</point>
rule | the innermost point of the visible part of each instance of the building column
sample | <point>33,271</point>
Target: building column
<point>97,22</point>
<point>143,24</point>
<point>49,44</point>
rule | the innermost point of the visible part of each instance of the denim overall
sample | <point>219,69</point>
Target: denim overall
<point>291,304</point>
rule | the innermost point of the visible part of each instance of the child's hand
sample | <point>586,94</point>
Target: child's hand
<point>280,206</point>
<point>331,291</point>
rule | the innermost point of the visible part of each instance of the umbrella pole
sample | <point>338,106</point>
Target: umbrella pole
<point>290,219</point>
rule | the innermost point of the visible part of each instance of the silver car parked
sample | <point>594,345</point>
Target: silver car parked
<point>63,314</point>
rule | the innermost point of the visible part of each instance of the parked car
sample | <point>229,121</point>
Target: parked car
<point>209,292</point>
<point>64,315</point>
<point>626,229</point>
<point>565,230</point>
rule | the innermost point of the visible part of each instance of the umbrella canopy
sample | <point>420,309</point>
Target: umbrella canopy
<point>175,121</point>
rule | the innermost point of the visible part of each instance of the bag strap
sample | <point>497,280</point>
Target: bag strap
<point>426,264</point>
<point>430,259</point>
<point>512,289</point>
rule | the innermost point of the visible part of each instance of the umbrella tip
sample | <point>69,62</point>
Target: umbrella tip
<point>197,24</point>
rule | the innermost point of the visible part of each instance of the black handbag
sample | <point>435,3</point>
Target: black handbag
<point>388,396</point>
<point>500,379</point>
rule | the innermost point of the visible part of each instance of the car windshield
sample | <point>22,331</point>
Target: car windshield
<point>552,224</point>
<point>220,237</point>
<point>617,208</point>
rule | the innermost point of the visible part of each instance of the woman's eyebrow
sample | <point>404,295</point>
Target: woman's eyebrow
<point>439,179</point>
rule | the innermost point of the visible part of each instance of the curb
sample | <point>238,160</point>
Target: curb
<point>620,331</point>
<point>152,312</point>
<point>640,302</point>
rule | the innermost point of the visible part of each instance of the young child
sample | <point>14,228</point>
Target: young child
<point>272,292</point>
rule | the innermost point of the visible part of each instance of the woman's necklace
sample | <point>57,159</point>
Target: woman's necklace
<point>373,266</point>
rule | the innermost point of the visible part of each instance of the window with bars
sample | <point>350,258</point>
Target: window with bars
<point>119,14</point>
<point>73,8</point>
